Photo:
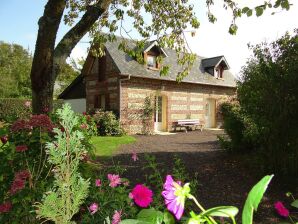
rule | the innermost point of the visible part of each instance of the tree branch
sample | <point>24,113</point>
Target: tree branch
<point>76,33</point>
<point>45,43</point>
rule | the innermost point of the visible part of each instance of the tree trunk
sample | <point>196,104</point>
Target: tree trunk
<point>47,58</point>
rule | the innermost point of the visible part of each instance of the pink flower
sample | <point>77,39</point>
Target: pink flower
<point>126,183</point>
<point>84,126</point>
<point>134,156</point>
<point>281,209</point>
<point>4,139</point>
<point>27,104</point>
<point>5,207</point>
<point>114,180</point>
<point>97,183</point>
<point>142,195</point>
<point>93,208</point>
<point>21,148</point>
<point>117,217</point>
<point>19,181</point>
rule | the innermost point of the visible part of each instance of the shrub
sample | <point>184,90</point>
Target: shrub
<point>242,132</point>
<point>107,123</point>
<point>62,202</point>
<point>12,109</point>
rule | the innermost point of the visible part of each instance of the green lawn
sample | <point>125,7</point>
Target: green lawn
<point>106,145</point>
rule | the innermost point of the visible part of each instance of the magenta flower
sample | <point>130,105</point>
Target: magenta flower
<point>141,195</point>
<point>117,217</point>
<point>5,207</point>
<point>93,208</point>
<point>97,183</point>
<point>134,156</point>
<point>4,139</point>
<point>21,148</point>
<point>174,195</point>
<point>114,179</point>
<point>281,209</point>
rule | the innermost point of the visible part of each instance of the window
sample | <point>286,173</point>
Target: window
<point>218,72</point>
<point>151,61</point>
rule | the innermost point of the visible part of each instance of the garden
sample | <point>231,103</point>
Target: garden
<point>62,167</point>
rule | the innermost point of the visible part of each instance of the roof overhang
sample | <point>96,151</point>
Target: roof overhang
<point>223,59</point>
<point>153,44</point>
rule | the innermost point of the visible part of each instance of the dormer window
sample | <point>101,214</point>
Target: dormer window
<point>218,72</point>
<point>151,51</point>
<point>151,61</point>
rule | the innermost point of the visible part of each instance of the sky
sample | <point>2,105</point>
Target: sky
<point>19,18</point>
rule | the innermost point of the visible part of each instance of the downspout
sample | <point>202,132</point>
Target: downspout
<point>120,93</point>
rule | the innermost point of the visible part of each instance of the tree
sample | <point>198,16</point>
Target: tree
<point>268,95</point>
<point>15,65</point>
<point>169,18</point>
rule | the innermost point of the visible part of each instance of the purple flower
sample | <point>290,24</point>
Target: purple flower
<point>93,208</point>
<point>174,195</point>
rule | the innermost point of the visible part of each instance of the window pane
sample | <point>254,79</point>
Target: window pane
<point>151,61</point>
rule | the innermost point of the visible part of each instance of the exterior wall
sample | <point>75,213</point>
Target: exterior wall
<point>183,101</point>
<point>108,86</point>
<point>77,105</point>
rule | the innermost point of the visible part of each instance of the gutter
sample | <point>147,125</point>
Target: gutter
<point>120,93</point>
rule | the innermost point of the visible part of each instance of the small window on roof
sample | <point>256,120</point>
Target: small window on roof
<point>219,72</point>
<point>151,61</point>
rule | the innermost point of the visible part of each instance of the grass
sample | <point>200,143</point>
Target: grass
<point>107,145</point>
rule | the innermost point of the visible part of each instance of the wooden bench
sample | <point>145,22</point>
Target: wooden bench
<point>187,124</point>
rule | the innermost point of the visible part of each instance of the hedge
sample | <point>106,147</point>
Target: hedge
<point>12,108</point>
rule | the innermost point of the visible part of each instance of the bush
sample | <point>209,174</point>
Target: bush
<point>12,109</point>
<point>25,173</point>
<point>107,123</point>
<point>242,132</point>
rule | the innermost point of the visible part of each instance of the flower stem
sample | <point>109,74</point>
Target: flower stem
<point>201,208</point>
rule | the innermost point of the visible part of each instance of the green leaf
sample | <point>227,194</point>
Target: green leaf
<point>168,218</point>
<point>221,211</point>
<point>245,9</point>
<point>295,203</point>
<point>134,221</point>
<point>254,197</point>
<point>150,215</point>
<point>249,13</point>
<point>259,11</point>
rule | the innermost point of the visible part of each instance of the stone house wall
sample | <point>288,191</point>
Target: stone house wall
<point>184,100</point>
<point>102,81</point>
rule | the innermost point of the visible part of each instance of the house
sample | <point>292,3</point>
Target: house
<point>118,82</point>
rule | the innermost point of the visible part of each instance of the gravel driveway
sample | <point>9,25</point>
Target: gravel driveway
<point>222,179</point>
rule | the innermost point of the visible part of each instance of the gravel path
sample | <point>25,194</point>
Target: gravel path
<point>222,179</point>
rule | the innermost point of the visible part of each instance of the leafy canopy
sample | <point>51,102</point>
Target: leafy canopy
<point>165,21</point>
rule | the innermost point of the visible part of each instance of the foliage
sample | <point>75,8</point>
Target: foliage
<point>254,198</point>
<point>107,123</point>
<point>267,96</point>
<point>175,195</point>
<point>15,65</point>
<point>107,145</point>
<point>242,132</point>
<point>147,115</point>
<point>66,76</point>
<point>62,202</point>
<point>167,22</point>
<point>24,171</point>
<point>12,109</point>
<point>110,199</point>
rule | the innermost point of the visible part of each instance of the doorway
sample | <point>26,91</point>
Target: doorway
<point>160,113</point>
<point>210,113</point>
